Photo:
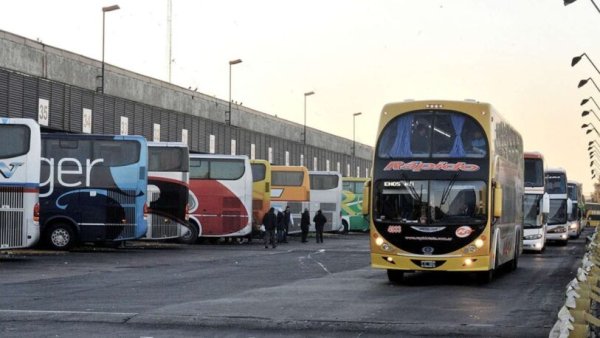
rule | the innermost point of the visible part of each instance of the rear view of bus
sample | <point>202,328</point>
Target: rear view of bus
<point>93,189</point>
<point>556,188</point>
<point>19,182</point>
<point>352,199</point>
<point>168,190</point>
<point>290,187</point>
<point>221,195</point>
<point>325,192</point>
<point>261,191</point>
<point>535,206</point>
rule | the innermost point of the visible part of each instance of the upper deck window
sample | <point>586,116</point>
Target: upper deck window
<point>556,183</point>
<point>323,182</point>
<point>439,134</point>
<point>534,172</point>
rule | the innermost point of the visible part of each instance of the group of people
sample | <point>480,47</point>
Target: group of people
<point>277,226</point>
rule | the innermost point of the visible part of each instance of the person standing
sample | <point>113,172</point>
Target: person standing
<point>269,221</point>
<point>319,221</point>
<point>287,220</point>
<point>304,224</point>
<point>279,223</point>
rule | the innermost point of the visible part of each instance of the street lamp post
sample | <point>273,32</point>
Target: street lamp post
<point>305,95</point>
<point>231,63</point>
<point>568,2</point>
<point>104,10</point>
<point>583,82</point>
<point>353,133</point>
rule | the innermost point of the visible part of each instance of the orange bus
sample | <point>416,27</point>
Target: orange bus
<point>290,186</point>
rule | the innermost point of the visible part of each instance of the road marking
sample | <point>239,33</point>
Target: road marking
<point>69,312</point>
<point>316,261</point>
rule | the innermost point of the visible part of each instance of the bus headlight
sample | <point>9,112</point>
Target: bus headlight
<point>532,237</point>
<point>479,243</point>
<point>379,241</point>
<point>573,226</point>
<point>468,261</point>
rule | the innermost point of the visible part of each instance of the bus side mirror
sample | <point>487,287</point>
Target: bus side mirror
<point>366,197</point>
<point>498,201</point>
<point>569,206</point>
<point>546,204</point>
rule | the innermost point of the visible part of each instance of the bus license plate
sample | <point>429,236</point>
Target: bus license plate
<point>428,264</point>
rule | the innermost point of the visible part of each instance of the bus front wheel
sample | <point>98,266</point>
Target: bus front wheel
<point>60,236</point>
<point>395,276</point>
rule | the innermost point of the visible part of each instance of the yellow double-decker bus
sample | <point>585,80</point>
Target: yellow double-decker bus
<point>447,189</point>
<point>261,191</point>
<point>290,186</point>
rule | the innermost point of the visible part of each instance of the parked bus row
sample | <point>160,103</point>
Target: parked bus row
<point>452,190</point>
<point>67,188</point>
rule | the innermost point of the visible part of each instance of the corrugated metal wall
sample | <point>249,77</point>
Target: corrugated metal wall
<point>20,94</point>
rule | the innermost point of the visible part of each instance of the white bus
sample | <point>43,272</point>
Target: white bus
<point>326,195</point>
<point>560,208</point>
<point>19,182</point>
<point>220,200</point>
<point>168,190</point>
<point>535,203</point>
<point>576,198</point>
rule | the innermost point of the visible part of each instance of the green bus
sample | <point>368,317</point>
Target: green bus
<point>352,198</point>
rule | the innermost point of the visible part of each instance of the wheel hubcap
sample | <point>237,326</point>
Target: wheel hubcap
<point>60,237</point>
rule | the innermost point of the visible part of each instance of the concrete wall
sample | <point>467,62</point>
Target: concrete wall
<point>34,58</point>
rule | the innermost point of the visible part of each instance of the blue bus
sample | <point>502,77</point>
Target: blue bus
<point>93,188</point>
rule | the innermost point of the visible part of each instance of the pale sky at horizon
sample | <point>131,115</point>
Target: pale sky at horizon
<point>356,56</point>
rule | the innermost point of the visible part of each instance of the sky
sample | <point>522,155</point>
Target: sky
<point>356,55</point>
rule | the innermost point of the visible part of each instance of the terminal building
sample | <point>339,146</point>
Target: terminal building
<point>63,92</point>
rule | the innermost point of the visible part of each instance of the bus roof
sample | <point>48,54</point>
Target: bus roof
<point>555,170</point>
<point>533,155</point>
<point>167,144</point>
<point>324,172</point>
<point>288,168</point>
<point>219,156</point>
<point>355,179</point>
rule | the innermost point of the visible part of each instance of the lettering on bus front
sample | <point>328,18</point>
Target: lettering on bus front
<point>417,166</point>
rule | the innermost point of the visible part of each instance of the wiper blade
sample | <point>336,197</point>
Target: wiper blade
<point>446,192</point>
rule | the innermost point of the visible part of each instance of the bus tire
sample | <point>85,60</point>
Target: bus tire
<point>60,236</point>
<point>191,236</point>
<point>395,276</point>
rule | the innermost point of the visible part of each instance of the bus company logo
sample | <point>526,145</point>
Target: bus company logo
<point>394,229</point>
<point>463,231</point>
<point>417,166</point>
<point>8,170</point>
<point>427,250</point>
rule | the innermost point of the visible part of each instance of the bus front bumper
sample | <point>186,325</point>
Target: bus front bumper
<point>430,263</point>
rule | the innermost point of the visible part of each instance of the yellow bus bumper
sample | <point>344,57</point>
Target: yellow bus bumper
<point>430,263</point>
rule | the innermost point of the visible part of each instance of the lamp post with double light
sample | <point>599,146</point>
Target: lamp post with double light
<point>231,63</point>
<point>305,95</point>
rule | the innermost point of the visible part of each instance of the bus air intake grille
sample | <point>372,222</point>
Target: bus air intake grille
<point>11,217</point>
<point>163,227</point>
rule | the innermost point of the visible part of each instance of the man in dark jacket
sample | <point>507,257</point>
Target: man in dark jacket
<point>279,226</point>
<point>269,221</point>
<point>319,221</point>
<point>304,224</point>
<point>287,219</point>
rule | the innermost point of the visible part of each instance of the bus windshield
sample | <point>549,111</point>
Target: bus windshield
<point>556,183</point>
<point>431,202</point>
<point>531,210</point>
<point>442,134</point>
<point>558,212</point>
<point>534,172</point>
